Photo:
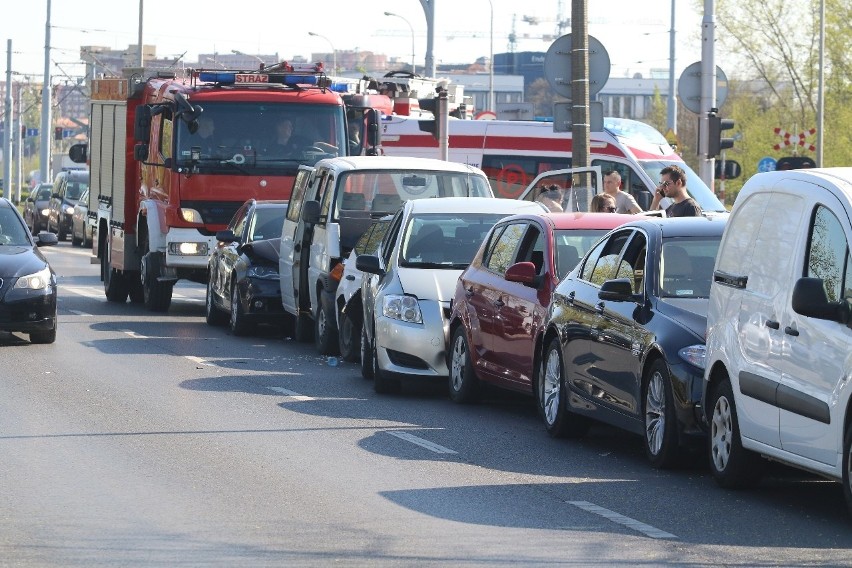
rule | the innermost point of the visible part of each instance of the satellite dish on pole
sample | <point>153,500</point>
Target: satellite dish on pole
<point>557,66</point>
<point>689,87</point>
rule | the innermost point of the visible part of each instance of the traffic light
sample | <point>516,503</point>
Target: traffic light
<point>794,163</point>
<point>57,133</point>
<point>437,105</point>
<point>23,131</point>
<point>717,143</point>
<point>732,170</point>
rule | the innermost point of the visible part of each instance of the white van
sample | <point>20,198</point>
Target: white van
<point>513,152</point>
<point>331,205</point>
<point>778,382</point>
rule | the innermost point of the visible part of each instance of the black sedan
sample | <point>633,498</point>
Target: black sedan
<point>37,207</point>
<point>243,288</point>
<point>27,282</point>
<point>626,332</point>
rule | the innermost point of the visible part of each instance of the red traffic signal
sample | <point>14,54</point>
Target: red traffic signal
<point>794,163</point>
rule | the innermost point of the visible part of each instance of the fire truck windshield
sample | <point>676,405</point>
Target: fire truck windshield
<point>260,138</point>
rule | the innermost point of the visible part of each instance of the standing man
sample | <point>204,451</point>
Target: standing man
<point>673,186</point>
<point>624,202</point>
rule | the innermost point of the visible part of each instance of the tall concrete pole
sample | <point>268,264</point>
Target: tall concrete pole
<point>429,11</point>
<point>46,109</point>
<point>708,92</point>
<point>7,126</point>
<point>139,61</point>
<point>581,128</point>
<point>672,106</point>
<point>491,62</point>
<point>821,89</point>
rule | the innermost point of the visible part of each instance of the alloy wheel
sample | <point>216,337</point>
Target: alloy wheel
<point>551,386</point>
<point>655,413</point>
<point>458,363</point>
<point>721,431</point>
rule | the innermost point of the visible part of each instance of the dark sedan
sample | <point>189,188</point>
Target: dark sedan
<point>625,335</point>
<point>243,286</point>
<point>27,282</point>
<point>501,299</point>
<point>37,207</point>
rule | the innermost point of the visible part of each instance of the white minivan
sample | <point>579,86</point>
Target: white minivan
<point>331,205</point>
<point>778,382</point>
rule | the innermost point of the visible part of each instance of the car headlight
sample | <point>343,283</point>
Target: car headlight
<point>694,355</point>
<point>404,308</point>
<point>191,216</point>
<point>37,281</point>
<point>262,272</point>
<point>69,210</point>
<point>45,212</point>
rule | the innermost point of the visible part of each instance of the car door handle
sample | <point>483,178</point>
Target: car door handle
<point>350,277</point>
<point>791,331</point>
<point>600,307</point>
<point>499,304</point>
<point>773,324</point>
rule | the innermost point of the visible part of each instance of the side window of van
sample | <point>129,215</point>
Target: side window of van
<point>828,254</point>
<point>326,197</point>
<point>294,207</point>
<point>510,175</point>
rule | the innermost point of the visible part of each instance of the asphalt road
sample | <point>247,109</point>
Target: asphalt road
<point>143,439</point>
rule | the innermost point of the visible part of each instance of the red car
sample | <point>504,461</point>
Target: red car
<point>502,298</point>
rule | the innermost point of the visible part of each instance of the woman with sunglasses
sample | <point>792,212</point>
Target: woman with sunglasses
<point>603,203</point>
<point>673,185</point>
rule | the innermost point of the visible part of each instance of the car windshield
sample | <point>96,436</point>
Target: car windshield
<point>572,245</point>
<point>257,138</point>
<point>696,188</point>
<point>380,192</point>
<point>44,192</point>
<point>268,222</point>
<point>75,188</point>
<point>12,231</point>
<point>686,267</point>
<point>445,240</point>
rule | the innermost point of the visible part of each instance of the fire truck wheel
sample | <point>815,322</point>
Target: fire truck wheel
<point>115,285</point>
<point>157,294</point>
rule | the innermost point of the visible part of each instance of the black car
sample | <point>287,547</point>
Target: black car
<point>68,187</point>
<point>36,207</point>
<point>625,338</point>
<point>243,270</point>
<point>27,282</point>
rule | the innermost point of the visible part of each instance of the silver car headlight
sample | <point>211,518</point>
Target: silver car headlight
<point>403,308</point>
<point>69,210</point>
<point>694,355</point>
<point>262,272</point>
<point>37,281</point>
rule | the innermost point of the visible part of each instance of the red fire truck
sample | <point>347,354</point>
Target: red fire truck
<point>172,159</point>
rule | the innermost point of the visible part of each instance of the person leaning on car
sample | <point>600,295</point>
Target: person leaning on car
<point>673,186</point>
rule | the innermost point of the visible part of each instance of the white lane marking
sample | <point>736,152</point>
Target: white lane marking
<point>90,292</point>
<point>431,446</point>
<point>79,313</point>
<point>133,334</point>
<point>291,394</point>
<point>198,360</point>
<point>641,527</point>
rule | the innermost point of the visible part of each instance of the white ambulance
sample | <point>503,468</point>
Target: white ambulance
<point>513,153</point>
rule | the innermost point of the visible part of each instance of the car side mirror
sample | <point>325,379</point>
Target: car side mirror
<point>810,299</point>
<point>311,212</point>
<point>56,196</point>
<point>369,263</point>
<point>46,239</point>
<point>140,152</point>
<point>523,272</point>
<point>618,290</point>
<point>226,236</point>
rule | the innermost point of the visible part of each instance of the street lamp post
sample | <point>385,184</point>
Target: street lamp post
<point>333,51</point>
<point>491,62</point>
<point>412,37</point>
<point>238,52</point>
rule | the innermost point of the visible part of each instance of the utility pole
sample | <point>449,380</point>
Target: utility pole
<point>581,128</point>
<point>46,106</point>
<point>672,107</point>
<point>707,162</point>
<point>7,125</point>
<point>429,11</point>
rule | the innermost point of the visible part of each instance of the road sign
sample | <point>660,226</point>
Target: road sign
<point>766,164</point>
<point>557,66</point>
<point>689,87</point>
<point>32,132</point>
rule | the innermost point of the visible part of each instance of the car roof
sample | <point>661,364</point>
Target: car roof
<point>470,205</point>
<point>578,220</point>
<point>74,174</point>
<point>345,163</point>
<point>683,226</point>
<point>4,202</point>
<point>271,203</point>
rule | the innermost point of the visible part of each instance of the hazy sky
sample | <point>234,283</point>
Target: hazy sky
<point>634,33</point>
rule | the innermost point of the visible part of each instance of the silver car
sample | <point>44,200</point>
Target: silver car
<point>81,227</point>
<point>411,279</point>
